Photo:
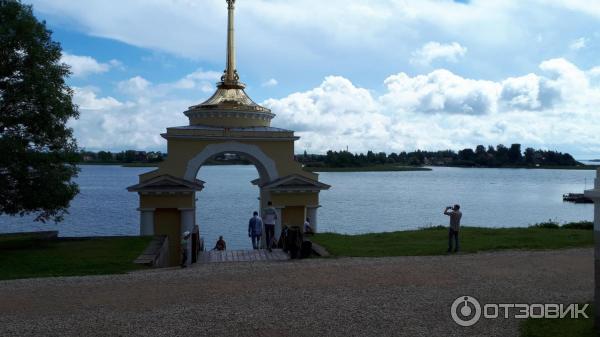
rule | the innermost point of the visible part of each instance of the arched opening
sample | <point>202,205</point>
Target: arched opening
<point>227,201</point>
<point>265,165</point>
<point>229,196</point>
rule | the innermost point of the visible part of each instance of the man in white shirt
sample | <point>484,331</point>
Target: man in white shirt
<point>269,217</point>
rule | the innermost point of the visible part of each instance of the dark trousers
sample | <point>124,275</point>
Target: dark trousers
<point>184,258</point>
<point>255,241</point>
<point>453,234</point>
<point>270,235</point>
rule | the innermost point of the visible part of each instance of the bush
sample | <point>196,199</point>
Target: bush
<point>432,227</point>
<point>579,225</point>
<point>547,224</point>
<point>587,225</point>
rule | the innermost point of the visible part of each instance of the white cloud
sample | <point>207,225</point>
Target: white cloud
<point>584,6</point>
<point>360,36</point>
<point>334,115</point>
<point>443,110</point>
<point>82,66</point>
<point>137,121</point>
<point>554,108</point>
<point>106,123</point>
<point>579,43</point>
<point>198,80</point>
<point>270,83</point>
<point>116,64</point>
<point>529,92</point>
<point>432,51</point>
<point>440,92</point>
<point>201,75</point>
<point>136,86</point>
<point>86,98</point>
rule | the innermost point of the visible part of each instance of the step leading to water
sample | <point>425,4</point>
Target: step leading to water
<point>216,256</point>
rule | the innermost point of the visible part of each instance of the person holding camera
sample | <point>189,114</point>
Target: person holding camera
<point>455,214</point>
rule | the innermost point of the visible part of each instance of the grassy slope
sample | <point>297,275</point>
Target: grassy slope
<point>435,241</point>
<point>70,258</point>
<point>564,327</point>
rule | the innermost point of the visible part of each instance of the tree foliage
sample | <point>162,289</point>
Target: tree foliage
<point>37,164</point>
<point>499,156</point>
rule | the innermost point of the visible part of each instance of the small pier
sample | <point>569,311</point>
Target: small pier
<point>217,256</point>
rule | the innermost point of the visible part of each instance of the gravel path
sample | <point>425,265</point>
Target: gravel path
<point>394,296</point>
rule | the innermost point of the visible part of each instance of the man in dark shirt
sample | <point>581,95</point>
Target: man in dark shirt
<point>220,244</point>
<point>255,226</point>
<point>455,215</point>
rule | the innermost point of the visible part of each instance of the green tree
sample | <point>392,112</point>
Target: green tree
<point>529,156</point>
<point>105,156</point>
<point>514,154</point>
<point>466,154</point>
<point>37,149</point>
<point>501,154</point>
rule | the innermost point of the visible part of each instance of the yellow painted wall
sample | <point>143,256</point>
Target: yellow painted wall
<point>229,122</point>
<point>167,201</point>
<point>181,151</point>
<point>295,199</point>
<point>167,221</point>
<point>292,216</point>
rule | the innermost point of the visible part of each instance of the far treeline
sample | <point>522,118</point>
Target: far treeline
<point>499,156</point>
<point>143,157</point>
<point>123,157</point>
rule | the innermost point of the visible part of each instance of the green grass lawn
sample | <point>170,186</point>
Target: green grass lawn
<point>563,327</point>
<point>69,258</point>
<point>434,241</point>
<point>374,168</point>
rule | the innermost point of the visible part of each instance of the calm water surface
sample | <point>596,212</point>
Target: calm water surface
<point>358,202</point>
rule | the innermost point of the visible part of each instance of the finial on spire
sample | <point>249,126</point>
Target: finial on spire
<point>230,76</point>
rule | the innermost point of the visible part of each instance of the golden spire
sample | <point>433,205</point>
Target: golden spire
<point>230,78</point>
<point>229,105</point>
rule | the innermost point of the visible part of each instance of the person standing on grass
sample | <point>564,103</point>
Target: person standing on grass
<point>184,244</point>
<point>455,215</point>
<point>269,217</point>
<point>255,230</point>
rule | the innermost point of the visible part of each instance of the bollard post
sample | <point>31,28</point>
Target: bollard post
<point>594,194</point>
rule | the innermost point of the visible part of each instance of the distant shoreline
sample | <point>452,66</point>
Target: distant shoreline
<point>373,168</point>
<point>542,167</point>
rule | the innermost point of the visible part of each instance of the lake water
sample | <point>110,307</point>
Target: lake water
<point>358,202</point>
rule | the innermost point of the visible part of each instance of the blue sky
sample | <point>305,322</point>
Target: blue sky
<point>386,75</point>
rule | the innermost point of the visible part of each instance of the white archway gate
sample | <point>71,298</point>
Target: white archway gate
<point>228,122</point>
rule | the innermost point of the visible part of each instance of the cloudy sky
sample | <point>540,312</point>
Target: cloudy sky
<point>386,75</point>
